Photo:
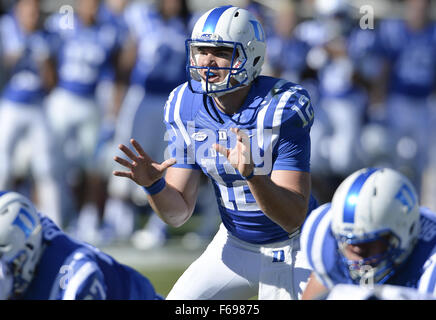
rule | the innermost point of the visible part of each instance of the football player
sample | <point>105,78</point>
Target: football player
<point>85,51</point>
<point>250,135</point>
<point>27,55</point>
<point>46,264</point>
<point>373,232</point>
<point>407,81</point>
<point>286,53</point>
<point>156,53</point>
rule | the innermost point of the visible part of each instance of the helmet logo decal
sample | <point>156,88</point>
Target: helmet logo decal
<point>353,193</point>
<point>212,19</point>
<point>206,36</point>
<point>20,223</point>
<point>406,197</point>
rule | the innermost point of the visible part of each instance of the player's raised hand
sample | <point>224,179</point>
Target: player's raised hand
<point>240,156</point>
<point>143,170</point>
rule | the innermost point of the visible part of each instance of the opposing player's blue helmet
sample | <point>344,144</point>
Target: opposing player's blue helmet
<point>232,27</point>
<point>373,204</point>
<point>20,238</point>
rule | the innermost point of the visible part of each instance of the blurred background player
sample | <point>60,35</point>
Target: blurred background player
<point>46,264</point>
<point>85,52</point>
<point>111,85</point>
<point>373,232</point>
<point>287,54</point>
<point>156,55</point>
<point>223,108</point>
<point>26,145</point>
<point>405,85</point>
<point>156,42</point>
<point>340,102</point>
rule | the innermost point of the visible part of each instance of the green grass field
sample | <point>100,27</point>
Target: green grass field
<point>164,265</point>
<point>163,280</point>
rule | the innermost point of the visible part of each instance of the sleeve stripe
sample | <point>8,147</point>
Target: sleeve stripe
<point>168,106</point>
<point>177,117</point>
<point>262,113</point>
<point>323,228</point>
<point>427,283</point>
<point>78,278</point>
<point>277,117</point>
<point>309,228</point>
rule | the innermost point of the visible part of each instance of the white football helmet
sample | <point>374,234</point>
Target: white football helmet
<point>20,238</point>
<point>232,27</point>
<point>373,204</point>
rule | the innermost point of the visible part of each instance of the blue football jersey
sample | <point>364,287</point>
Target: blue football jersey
<point>117,20</point>
<point>412,55</point>
<point>276,115</point>
<point>84,53</point>
<point>288,55</point>
<point>73,270</point>
<point>361,48</point>
<point>161,58</point>
<point>320,247</point>
<point>25,83</point>
<point>119,24</point>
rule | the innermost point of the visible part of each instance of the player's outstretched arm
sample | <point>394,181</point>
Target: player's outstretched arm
<point>176,201</point>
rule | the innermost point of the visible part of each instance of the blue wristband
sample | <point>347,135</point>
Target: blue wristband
<point>155,187</point>
<point>251,175</point>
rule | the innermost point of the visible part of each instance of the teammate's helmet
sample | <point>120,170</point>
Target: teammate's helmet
<point>373,204</point>
<point>20,238</point>
<point>232,27</point>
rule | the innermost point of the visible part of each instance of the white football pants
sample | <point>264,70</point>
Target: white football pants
<point>76,124</point>
<point>232,269</point>
<point>24,125</point>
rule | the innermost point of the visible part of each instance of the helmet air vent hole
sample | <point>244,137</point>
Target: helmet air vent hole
<point>256,60</point>
<point>412,227</point>
<point>375,192</point>
<point>237,13</point>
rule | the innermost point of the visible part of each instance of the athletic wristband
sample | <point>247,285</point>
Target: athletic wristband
<point>155,187</point>
<point>251,175</point>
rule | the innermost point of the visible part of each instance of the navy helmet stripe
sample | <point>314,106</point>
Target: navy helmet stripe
<point>353,194</point>
<point>212,19</point>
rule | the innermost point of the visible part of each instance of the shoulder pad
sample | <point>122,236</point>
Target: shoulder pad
<point>290,104</point>
<point>319,245</point>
